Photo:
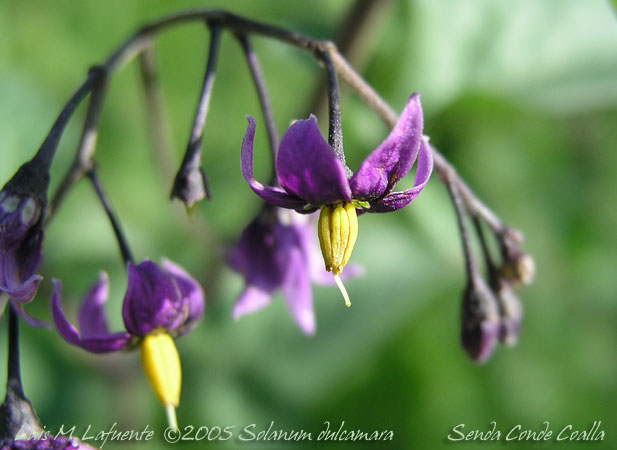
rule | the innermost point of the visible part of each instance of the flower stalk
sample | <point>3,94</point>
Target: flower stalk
<point>120,237</point>
<point>237,24</point>
<point>191,182</point>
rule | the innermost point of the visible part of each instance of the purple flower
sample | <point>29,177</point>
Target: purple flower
<point>160,302</point>
<point>312,177</point>
<point>157,298</point>
<point>21,237</point>
<point>277,251</point>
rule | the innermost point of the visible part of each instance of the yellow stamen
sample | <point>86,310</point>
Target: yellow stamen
<point>353,231</point>
<point>338,230</point>
<point>323,231</point>
<point>161,363</point>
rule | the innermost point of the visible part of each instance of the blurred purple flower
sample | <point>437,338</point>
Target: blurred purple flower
<point>157,299</point>
<point>46,442</point>
<point>277,250</point>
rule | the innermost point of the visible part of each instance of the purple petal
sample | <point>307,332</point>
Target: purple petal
<point>273,195</point>
<point>298,293</point>
<point>91,317</point>
<point>190,290</point>
<point>308,168</point>
<point>391,161</point>
<point>101,344</point>
<point>398,200</point>
<point>152,300</point>
<point>250,300</point>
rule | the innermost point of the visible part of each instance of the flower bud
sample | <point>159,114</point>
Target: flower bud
<point>480,322</point>
<point>190,185</point>
<point>511,311</point>
<point>518,266</point>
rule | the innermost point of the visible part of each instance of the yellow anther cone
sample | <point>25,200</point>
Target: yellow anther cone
<point>161,363</point>
<point>338,230</point>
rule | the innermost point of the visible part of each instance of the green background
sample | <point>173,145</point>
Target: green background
<point>521,96</point>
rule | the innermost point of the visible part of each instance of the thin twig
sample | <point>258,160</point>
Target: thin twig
<point>354,40</point>
<point>470,262</point>
<point>122,242</point>
<point>14,367</point>
<point>192,157</point>
<point>87,143</point>
<point>47,151</point>
<point>335,131</point>
<point>141,39</point>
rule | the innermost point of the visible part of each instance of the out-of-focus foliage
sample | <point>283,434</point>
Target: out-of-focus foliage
<point>522,96</point>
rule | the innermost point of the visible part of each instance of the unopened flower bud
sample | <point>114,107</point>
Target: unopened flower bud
<point>519,267</point>
<point>190,185</point>
<point>479,320</point>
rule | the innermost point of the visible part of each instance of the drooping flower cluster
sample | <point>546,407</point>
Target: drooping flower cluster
<point>312,177</point>
<point>491,313</point>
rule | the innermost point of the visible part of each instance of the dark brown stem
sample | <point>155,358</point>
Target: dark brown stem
<point>47,151</point>
<point>262,94</point>
<point>122,242</point>
<point>141,39</point>
<point>335,131</point>
<point>87,143</point>
<point>192,157</point>
<point>461,216</point>
<point>354,40</point>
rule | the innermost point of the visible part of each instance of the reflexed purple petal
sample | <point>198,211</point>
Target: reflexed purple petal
<point>102,344</point>
<point>91,317</point>
<point>394,157</point>
<point>398,200</point>
<point>152,300</point>
<point>25,292</point>
<point>297,291</point>
<point>273,195</point>
<point>308,168</point>
<point>189,289</point>
<point>250,300</point>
